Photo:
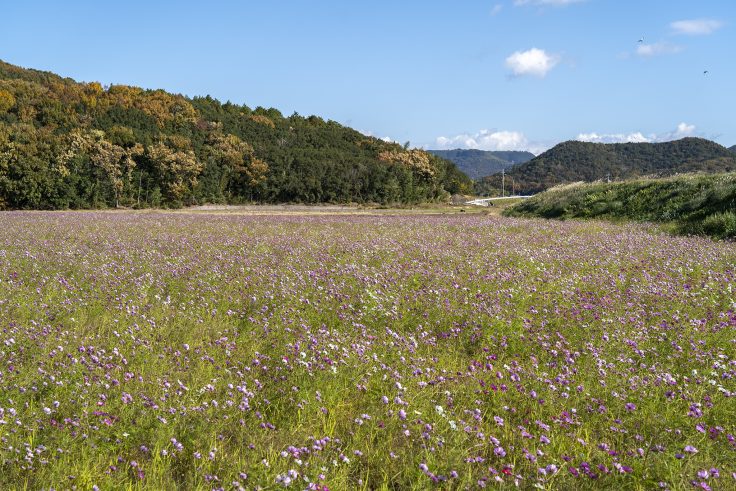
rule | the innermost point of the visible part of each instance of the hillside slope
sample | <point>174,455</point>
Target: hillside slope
<point>575,161</point>
<point>480,163</point>
<point>695,204</point>
<point>65,144</point>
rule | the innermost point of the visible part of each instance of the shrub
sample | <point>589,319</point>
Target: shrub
<point>721,225</point>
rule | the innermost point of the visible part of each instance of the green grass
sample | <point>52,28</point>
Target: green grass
<point>686,204</point>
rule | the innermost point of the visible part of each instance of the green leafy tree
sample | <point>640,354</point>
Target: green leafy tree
<point>116,163</point>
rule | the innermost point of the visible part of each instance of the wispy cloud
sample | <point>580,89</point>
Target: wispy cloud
<point>554,3</point>
<point>682,130</point>
<point>696,27</point>
<point>535,62</point>
<point>656,49</point>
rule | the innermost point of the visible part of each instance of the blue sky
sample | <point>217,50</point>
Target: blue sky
<point>499,74</point>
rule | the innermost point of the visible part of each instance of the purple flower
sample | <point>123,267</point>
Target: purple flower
<point>695,411</point>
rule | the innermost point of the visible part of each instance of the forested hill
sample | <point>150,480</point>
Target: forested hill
<point>65,144</point>
<point>481,163</point>
<point>733,148</point>
<point>574,161</point>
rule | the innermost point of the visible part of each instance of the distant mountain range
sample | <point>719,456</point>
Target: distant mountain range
<point>481,163</point>
<point>733,148</point>
<point>574,161</point>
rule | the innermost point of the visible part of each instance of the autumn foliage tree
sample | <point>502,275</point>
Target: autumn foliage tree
<point>416,160</point>
<point>7,101</point>
<point>177,170</point>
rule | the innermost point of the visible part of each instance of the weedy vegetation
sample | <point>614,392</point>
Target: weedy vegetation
<point>697,204</point>
<point>195,351</point>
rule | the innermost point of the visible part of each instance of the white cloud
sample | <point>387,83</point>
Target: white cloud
<point>637,137</point>
<point>496,140</point>
<point>656,49</point>
<point>485,140</point>
<point>682,130</point>
<point>696,27</point>
<point>496,9</point>
<point>555,3</point>
<point>534,62</point>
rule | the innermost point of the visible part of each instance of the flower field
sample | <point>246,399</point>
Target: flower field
<point>183,351</point>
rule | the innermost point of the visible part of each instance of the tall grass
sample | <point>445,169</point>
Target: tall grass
<point>692,204</point>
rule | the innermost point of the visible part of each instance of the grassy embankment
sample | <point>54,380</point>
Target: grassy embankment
<point>686,204</point>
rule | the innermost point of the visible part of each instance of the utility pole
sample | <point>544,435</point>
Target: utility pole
<point>503,183</point>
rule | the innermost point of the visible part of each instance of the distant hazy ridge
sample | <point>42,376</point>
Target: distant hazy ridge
<point>481,163</point>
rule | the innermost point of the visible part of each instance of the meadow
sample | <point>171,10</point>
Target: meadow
<point>200,351</point>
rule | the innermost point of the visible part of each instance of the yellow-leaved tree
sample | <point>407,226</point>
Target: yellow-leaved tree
<point>233,153</point>
<point>7,101</point>
<point>416,160</point>
<point>177,169</point>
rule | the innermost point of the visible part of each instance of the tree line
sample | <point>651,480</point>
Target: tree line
<point>65,144</point>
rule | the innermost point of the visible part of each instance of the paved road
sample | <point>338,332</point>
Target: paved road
<point>486,201</point>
